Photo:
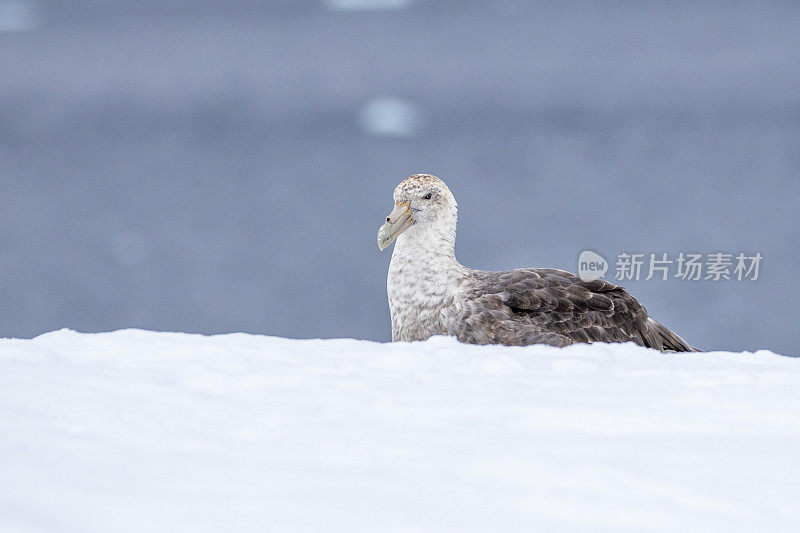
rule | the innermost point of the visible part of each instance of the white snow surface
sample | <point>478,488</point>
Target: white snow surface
<point>142,431</point>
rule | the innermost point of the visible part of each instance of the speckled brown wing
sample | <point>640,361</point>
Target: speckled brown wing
<point>528,306</point>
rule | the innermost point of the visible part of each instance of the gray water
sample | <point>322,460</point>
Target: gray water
<point>216,167</point>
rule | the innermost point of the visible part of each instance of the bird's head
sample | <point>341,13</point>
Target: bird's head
<point>422,204</point>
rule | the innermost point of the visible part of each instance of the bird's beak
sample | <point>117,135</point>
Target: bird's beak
<point>397,222</point>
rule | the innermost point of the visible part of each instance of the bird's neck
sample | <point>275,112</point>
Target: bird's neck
<point>426,249</point>
<point>424,267</point>
<point>424,277</point>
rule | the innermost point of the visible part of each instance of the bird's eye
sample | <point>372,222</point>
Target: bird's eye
<point>427,196</point>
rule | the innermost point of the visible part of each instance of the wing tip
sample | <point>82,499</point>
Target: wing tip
<point>666,340</point>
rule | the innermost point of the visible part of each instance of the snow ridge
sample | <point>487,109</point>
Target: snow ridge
<point>143,431</point>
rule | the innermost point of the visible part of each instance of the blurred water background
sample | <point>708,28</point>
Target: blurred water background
<point>224,166</point>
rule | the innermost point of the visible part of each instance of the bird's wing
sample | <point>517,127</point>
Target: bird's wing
<point>550,306</point>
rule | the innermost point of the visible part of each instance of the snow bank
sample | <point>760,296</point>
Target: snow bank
<point>142,431</point>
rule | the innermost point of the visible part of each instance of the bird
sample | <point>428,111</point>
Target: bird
<point>430,293</point>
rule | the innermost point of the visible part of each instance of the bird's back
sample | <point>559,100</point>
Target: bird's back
<point>542,305</point>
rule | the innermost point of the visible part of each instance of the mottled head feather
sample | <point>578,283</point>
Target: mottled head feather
<point>433,204</point>
<point>417,186</point>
